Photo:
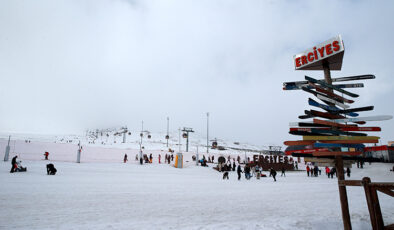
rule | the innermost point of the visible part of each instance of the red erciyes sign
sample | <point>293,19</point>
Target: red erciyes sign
<point>331,50</point>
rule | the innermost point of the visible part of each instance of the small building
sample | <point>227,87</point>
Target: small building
<point>384,152</point>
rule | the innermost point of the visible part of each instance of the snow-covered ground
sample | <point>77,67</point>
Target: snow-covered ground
<point>103,193</point>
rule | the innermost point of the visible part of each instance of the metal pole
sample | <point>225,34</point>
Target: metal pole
<point>7,150</point>
<point>179,139</point>
<point>168,126</point>
<point>141,134</point>
<point>197,156</point>
<point>187,142</point>
<point>79,153</point>
<point>207,132</point>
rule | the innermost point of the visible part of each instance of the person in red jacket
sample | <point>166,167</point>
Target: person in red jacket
<point>159,159</point>
<point>46,154</point>
<point>307,170</point>
<point>328,172</point>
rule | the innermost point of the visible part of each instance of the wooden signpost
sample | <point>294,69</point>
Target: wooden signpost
<point>333,133</point>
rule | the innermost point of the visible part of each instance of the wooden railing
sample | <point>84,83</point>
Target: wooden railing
<point>371,194</point>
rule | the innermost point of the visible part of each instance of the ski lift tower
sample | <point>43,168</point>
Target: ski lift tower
<point>186,132</point>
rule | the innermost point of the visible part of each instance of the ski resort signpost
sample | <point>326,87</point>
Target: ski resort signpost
<point>335,141</point>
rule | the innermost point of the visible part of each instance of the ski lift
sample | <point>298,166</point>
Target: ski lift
<point>129,133</point>
<point>149,136</point>
<point>141,134</point>
<point>184,135</point>
<point>167,137</point>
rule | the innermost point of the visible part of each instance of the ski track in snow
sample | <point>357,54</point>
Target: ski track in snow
<point>103,193</point>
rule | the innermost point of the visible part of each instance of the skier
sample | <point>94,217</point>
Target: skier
<point>307,170</point>
<point>46,154</point>
<point>273,173</point>
<point>283,172</point>
<point>348,172</point>
<point>13,163</point>
<point>239,171</point>
<point>125,158</point>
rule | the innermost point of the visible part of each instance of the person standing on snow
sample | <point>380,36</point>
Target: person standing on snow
<point>239,171</point>
<point>348,172</point>
<point>283,172</point>
<point>125,158</point>
<point>159,159</point>
<point>46,154</point>
<point>234,166</point>
<point>307,170</point>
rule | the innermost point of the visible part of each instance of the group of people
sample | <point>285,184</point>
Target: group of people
<point>167,158</point>
<point>250,172</point>
<point>17,167</point>
<point>314,171</point>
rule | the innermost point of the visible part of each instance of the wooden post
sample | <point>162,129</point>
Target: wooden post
<point>347,225</point>
<point>366,182</point>
<point>378,212</point>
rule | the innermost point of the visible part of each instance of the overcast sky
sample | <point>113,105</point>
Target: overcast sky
<point>66,66</point>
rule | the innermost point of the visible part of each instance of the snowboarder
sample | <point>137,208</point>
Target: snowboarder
<point>13,164</point>
<point>46,154</point>
<point>348,172</point>
<point>273,173</point>
<point>125,158</point>
<point>283,172</point>
<point>51,170</point>
<point>239,171</point>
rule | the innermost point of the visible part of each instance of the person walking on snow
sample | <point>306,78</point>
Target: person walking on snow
<point>46,154</point>
<point>348,172</point>
<point>273,173</point>
<point>239,171</point>
<point>125,158</point>
<point>159,158</point>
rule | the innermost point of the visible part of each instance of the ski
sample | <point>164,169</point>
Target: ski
<point>324,84</point>
<point>331,109</point>
<point>358,119</point>
<point>323,114</point>
<point>338,138</point>
<point>351,141</point>
<point>333,145</point>
<point>330,94</point>
<point>291,143</point>
<point>360,109</point>
<point>330,123</point>
<point>329,100</point>
<point>365,129</point>
<point>341,86</point>
<point>338,79</point>
<point>318,153</point>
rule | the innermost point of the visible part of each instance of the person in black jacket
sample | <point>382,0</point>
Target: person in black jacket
<point>239,171</point>
<point>13,163</point>
<point>234,166</point>
<point>51,170</point>
<point>273,173</point>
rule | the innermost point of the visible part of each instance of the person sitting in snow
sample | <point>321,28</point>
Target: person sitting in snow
<point>51,170</point>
